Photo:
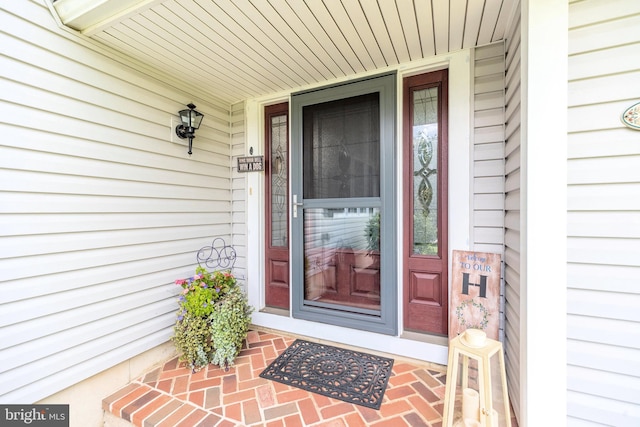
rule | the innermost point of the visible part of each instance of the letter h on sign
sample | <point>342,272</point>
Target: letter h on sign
<point>482,285</point>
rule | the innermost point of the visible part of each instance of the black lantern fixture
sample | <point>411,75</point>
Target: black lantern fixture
<point>191,120</point>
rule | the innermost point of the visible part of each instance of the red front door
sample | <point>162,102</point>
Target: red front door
<point>277,205</point>
<point>425,287</point>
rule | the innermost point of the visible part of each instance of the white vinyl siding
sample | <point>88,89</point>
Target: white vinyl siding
<point>488,155</point>
<point>99,210</point>
<point>239,190</point>
<point>603,322</point>
<point>512,217</point>
<point>488,149</point>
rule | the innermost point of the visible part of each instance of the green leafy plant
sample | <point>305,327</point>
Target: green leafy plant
<point>192,338</point>
<point>201,291</point>
<point>372,233</point>
<point>212,320</point>
<point>229,327</point>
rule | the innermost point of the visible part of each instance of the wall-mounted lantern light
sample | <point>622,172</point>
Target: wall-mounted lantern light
<point>191,120</point>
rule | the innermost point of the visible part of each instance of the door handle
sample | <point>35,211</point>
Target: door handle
<point>295,205</point>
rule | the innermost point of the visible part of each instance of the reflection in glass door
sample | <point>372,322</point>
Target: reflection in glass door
<point>343,276</point>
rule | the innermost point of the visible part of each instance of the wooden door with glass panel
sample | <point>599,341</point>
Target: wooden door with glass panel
<point>277,206</point>
<point>425,286</point>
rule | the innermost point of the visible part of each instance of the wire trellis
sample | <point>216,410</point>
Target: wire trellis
<point>217,256</point>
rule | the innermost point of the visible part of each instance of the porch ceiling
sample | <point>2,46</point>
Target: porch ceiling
<point>239,49</point>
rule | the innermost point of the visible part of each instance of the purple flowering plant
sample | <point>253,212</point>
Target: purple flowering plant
<point>200,292</point>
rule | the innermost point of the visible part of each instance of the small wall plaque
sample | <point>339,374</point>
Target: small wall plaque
<point>631,116</point>
<point>251,164</point>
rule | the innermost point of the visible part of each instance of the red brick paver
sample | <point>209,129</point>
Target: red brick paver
<point>173,396</point>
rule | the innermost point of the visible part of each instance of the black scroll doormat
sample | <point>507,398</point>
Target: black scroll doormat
<point>346,375</point>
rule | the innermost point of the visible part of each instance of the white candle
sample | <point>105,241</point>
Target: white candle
<point>470,404</point>
<point>468,422</point>
<point>494,418</point>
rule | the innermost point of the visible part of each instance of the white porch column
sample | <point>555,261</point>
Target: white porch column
<point>544,212</point>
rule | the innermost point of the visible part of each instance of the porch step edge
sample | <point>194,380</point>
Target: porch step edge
<point>111,420</point>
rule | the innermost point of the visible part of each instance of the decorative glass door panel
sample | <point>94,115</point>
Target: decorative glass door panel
<point>279,182</point>
<point>342,148</point>
<point>341,225</point>
<point>425,171</point>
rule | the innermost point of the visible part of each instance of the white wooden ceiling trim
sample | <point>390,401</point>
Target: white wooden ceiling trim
<point>489,20</point>
<point>129,40</point>
<point>338,63</point>
<point>91,16</point>
<point>222,55</point>
<point>284,20</point>
<point>335,35</point>
<point>472,24</point>
<point>239,49</point>
<point>506,15</point>
<point>176,68</point>
<point>457,15</point>
<point>441,26</point>
<point>376,21</point>
<point>424,14</point>
<point>254,24</point>
<point>393,25</point>
<point>174,57</point>
<point>156,31</point>
<point>409,22</point>
<point>225,31</point>
<point>369,39</point>
<point>351,33</point>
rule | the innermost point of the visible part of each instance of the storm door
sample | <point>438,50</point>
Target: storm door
<point>425,203</point>
<point>343,249</point>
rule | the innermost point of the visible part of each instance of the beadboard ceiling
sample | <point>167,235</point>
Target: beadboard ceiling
<point>239,49</point>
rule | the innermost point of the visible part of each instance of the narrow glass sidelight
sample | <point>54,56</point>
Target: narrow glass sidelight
<point>279,173</point>
<point>425,171</point>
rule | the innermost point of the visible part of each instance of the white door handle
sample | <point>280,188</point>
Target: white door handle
<point>295,205</point>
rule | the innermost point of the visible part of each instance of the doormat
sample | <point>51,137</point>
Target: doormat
<point>346,375</point>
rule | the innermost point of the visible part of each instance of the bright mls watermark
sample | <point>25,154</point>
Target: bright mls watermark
<point>34,415</point>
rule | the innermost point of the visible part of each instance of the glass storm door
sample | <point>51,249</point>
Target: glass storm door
<point>276,206</point>
<point>425,290</point>
<point>342,175</point>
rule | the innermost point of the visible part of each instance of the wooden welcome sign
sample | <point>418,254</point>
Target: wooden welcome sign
<point>475,293</point>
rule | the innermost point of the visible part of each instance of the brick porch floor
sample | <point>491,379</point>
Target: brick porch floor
<point>172,396</point>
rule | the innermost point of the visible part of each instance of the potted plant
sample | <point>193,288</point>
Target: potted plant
<point>213,319</point>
